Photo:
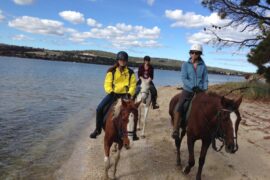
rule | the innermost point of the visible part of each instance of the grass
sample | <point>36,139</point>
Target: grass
<point>251,91</point>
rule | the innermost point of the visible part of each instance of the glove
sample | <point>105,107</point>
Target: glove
<point>112,93</point>
<point>196,89</point>
<point>128,96</point>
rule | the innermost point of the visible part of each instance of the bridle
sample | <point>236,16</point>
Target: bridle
<point>219,132</point>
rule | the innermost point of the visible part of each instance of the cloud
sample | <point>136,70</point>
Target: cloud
<point>150,2</point>
<point>93,23</point>
<point>38,26</point>
<point>2,17</point>
<point>192,20</point>
<point>72,16</point>
<point>20,37</point>
<point>23,2</point>
<point>122,35</point>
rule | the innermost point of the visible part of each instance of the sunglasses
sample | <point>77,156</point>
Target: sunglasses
<point>195,52</point>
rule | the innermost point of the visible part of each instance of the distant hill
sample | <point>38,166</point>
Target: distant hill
<point>95,57</point>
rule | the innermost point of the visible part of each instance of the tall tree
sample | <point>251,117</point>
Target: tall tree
<point>251,15</point>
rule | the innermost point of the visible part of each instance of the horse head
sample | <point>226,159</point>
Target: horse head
<point>229,118</point>
<point>128,118</point>
<point>145,86</point>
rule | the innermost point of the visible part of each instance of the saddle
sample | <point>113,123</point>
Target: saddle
<point>185,111</point>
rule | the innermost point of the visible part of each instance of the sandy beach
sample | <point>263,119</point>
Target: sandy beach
<point>154,157</point>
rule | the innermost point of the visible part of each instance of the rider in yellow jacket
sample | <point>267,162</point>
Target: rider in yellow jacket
<point>120,81</point>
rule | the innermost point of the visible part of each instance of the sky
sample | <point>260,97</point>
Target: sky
<point>157,28</point>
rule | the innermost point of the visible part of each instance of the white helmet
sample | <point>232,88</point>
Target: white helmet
<point>196,47</point>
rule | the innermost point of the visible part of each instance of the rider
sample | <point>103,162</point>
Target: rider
<point>119,82</point>
<point>195,79</point>
<point>146,71</point>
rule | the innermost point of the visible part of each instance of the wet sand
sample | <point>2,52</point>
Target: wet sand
<point>155,158</point>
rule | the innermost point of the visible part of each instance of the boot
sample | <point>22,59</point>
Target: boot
<point>176,125</point>
<point>94,134</point>
<point>154,104</point>
<point>135,137</point>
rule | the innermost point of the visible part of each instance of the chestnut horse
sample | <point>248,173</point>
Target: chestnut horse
<point>211,116</point>
<point>121,118</point>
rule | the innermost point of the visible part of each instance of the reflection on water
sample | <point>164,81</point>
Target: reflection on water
<point>44,107</point>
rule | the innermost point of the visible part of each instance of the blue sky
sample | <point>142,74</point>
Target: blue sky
<point>157,28</point>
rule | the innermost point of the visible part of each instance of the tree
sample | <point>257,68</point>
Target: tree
<point>251,15</point>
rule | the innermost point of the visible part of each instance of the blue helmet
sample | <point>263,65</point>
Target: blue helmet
<point>122,55</point>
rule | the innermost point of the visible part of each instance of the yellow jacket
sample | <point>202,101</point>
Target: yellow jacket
<point>121,80</point>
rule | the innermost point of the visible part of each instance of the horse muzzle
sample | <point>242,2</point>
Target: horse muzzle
<point>126,142</point>
<point>231,148</point>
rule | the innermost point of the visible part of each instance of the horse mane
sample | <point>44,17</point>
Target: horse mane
<point>117,108</point>
<point>213,94</point>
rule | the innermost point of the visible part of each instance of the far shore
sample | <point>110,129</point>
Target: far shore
<point>154,157</point>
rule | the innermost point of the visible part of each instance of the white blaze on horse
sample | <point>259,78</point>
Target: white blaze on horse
<point>145,97</point>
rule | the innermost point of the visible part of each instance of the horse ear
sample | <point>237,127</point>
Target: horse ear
<point>238,101</point>
<point>138,104</point>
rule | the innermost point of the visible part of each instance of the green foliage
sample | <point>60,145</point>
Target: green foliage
<point>260,56</point>
<point>249,2</point>
<point>254,91</point>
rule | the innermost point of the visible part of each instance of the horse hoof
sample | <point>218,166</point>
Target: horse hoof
<point>178,163</point>
<point>185,170</point>
<point>142,136</point>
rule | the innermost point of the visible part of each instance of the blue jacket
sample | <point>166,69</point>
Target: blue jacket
<point>192,77</point>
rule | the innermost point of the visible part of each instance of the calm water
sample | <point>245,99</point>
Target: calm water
<point>44,106</point>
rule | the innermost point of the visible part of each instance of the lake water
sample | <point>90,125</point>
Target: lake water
<point>44,105</point>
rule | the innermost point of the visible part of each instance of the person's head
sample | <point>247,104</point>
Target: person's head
<point>195,51</point>
<point>146,59</point>
<point>122,58</point>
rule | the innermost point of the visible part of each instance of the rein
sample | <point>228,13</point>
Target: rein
<point>218,133</point>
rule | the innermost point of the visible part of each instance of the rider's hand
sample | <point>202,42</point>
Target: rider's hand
<point>196,89</point>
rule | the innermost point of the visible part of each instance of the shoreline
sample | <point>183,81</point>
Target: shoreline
<point>154,157</point>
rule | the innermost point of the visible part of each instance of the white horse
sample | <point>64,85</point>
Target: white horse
<point>145,97</point>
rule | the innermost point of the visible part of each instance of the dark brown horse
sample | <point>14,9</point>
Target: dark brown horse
<point>211,116</point>
<point>121,118</point>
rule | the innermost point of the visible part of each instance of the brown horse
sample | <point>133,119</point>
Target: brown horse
<point>121,118</point>
<point>211,116</point>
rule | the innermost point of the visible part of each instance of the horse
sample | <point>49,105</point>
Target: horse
<point>211,117</point>
<point>121,118</point>
<point>144,96</point>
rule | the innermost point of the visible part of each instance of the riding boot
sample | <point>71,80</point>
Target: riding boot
<point>97,131</point>
<point>154,103</point>
<point>176,125</point>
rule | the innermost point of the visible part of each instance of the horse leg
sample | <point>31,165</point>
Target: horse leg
<point>178,146</point>
<point>191,161</point>
<point>204,148</point>
<point>117,157</point>
<point>139,124</point>
<point>107,146</point>
<point>144,120</point>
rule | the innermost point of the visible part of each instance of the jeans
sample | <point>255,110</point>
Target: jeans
<point>108,100</point>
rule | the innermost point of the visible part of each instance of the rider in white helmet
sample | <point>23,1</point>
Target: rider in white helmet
<point>195,79</point>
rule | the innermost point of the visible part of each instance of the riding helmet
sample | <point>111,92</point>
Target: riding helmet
<point>122,55</point>
<point>146,58</point>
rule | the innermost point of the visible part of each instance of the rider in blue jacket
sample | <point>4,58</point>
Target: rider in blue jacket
<point>195,79</point>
